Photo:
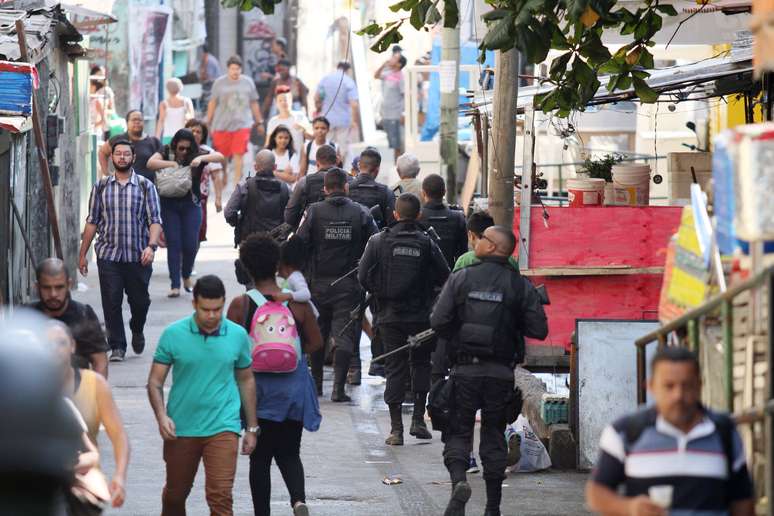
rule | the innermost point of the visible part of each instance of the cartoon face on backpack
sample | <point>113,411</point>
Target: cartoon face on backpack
<point>276,346</point>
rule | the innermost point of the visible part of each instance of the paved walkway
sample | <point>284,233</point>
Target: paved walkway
<point>345,461</point>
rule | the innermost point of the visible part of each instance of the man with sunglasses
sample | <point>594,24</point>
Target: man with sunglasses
<point>124,211</point>
<point>481,311</point>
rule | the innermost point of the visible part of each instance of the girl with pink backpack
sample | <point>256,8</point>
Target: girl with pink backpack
<point>282,332</point>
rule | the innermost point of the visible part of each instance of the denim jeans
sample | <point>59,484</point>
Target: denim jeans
<point>181,221</point>
<point>115,278</point>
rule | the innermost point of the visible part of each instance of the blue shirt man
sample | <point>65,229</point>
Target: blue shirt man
<point>337,100</point>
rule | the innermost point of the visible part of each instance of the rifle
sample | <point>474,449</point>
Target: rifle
<point>413,342</point>
<point>342,278</point>
<point>356,313</point>
<point>282,232</point>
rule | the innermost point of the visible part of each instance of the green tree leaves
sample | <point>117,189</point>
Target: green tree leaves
<point>535,27</point>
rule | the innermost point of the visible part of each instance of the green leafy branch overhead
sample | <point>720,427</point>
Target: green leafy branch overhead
<point>534,27</point>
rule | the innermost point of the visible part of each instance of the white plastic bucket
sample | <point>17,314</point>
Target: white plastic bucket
<point>585,191</point>
<point>631,182</point>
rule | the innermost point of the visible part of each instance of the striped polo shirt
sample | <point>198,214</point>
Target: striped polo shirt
<point>123,215</point>
<point>695,464</point>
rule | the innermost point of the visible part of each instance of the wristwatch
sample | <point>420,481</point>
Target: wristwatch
<point>153,247</point>
<point>253,429</point>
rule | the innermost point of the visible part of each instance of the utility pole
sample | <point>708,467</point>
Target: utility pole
<point>450,80</point>
<point>503,144</point>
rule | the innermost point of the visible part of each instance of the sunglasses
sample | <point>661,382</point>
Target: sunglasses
<point>183,148</point>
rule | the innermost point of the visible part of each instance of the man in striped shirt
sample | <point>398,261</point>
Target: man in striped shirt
<point>676,457</point>
<point>124,211</point>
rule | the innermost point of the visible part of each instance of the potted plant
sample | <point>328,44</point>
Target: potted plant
<point>603,169</point>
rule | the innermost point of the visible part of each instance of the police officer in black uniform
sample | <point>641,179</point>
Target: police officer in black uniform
<point>336,231</point>
<point>450,226</point>
<point>448,222</point>
<point>482,310</point>
<point>259,203</point>
<point>309,189</point>
<point>377,197</point>
<point>402,266</point>
<point>368,192</point>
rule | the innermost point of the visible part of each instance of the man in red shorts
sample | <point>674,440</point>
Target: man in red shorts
<point>231,113</point>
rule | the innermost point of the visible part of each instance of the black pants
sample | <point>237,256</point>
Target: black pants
<point>281,442</point>
<point>115,278</point>
<point>440,360</point>
<point>415,362</point>
<point>490,395</point>
<point>335,305</point>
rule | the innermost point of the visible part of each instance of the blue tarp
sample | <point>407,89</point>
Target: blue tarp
<point>468,55</point>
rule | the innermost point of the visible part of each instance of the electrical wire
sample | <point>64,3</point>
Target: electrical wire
<point>346,56</point>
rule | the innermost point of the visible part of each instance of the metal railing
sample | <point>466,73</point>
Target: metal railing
<point>690,321</point>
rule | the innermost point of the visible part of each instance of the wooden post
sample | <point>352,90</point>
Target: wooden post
<point>40,143</point>
<point>503,148</point>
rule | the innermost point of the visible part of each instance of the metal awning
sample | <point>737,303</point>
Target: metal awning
<point>16,124</point>
<point>692,81</point>
<point>88,18</point>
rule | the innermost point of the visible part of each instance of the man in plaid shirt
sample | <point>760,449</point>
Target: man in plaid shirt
<point>124,211</point>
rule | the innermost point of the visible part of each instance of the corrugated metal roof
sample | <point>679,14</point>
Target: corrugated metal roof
<point>40,27</point>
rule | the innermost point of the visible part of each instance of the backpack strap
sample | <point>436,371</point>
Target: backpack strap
<point>256,297</point>
<point>725,428</point>
<point>309,149</point>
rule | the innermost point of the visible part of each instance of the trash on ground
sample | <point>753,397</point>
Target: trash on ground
<point>392,480</point>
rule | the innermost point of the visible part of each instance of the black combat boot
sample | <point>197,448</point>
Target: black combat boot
<point>396,426</point>
<point>354,376</point>
<point>418,426</point>
<point>459,497</point>
<point>340,368</point>
<point>494,495</point>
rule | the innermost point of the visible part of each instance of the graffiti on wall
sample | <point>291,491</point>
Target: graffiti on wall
<point>256,46</point>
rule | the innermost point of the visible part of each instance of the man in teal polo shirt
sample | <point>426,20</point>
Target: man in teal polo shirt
<point>210,361</point>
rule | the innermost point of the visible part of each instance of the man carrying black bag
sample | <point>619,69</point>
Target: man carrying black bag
<point>481,310</point>
<point>257,204</point>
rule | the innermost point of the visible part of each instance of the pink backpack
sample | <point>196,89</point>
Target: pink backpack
<point>276,343</point>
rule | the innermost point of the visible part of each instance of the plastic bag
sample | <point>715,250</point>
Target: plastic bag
<point>534,456</point>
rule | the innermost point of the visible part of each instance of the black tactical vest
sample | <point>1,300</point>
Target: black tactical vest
<point>338,237</point>
<point>263,210</point>
<point>404,256</point>
<point>446,223</point>
<point>314,188</point>
<point>489,330</point>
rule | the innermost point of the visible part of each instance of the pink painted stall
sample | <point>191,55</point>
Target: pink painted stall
<point>598,263</point>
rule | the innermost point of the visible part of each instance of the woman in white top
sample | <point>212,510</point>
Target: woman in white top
<point>286,159</point>
<point>174,112</point>
<point>285,117</point>
<point>101,102</point>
